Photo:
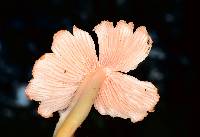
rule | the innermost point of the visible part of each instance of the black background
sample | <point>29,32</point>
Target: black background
<point>26,31</point>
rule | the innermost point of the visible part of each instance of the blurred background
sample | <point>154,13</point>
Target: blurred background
<point>26,31</point>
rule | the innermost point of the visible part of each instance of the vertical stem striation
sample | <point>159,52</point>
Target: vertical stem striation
<point>88,91</point>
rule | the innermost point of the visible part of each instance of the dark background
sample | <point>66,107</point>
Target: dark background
<point>26,31</point>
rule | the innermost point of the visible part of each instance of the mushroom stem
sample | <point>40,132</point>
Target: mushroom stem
<point>88,91</point>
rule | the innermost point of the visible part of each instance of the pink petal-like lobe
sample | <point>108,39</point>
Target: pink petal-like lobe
<point>120,49</point>
<point>57,75</point>
<point>124,96</point>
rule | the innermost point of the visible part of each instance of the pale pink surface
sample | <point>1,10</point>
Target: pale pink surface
<point>120,49</point>
<point>57,75</point>
<point>126,97</point>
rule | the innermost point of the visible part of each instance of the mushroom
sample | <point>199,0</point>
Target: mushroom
<point>71,79</point>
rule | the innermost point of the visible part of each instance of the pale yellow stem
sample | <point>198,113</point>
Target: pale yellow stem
<point>88,91</point>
